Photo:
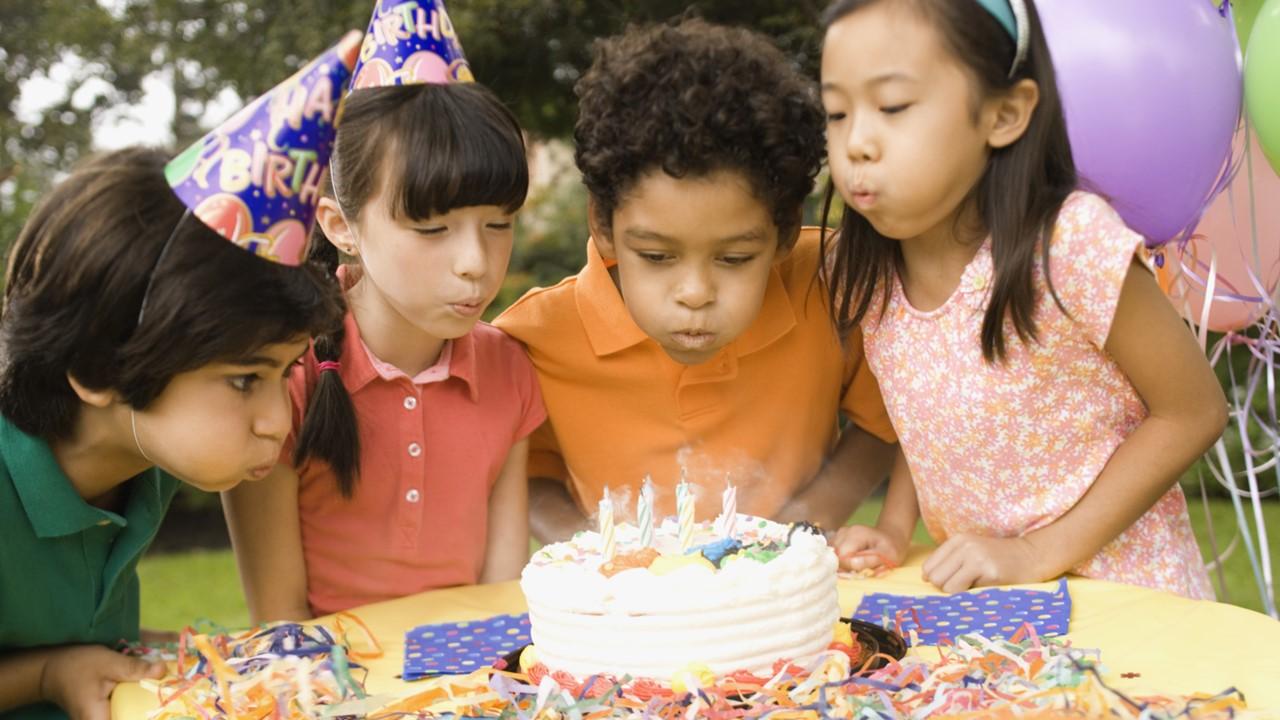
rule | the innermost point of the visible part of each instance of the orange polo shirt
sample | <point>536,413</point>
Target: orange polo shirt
<point>432,447</point>
<point>762,412</point>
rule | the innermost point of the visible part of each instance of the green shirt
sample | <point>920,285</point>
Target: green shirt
<point>68,570</point>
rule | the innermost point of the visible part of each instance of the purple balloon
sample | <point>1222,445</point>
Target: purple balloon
<point>1152,91</point>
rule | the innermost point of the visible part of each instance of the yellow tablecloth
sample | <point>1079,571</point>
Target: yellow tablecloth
<point>1177,646</point>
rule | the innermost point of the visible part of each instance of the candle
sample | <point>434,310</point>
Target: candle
<point>729,509</point>
<point>644,512</point>
<point>684,513</point>
<point>607,541</point>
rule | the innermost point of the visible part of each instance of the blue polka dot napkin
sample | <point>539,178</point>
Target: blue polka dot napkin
<point>459,648</point>
<point>993,613</point>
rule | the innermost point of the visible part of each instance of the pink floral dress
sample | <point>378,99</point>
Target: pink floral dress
<point>1004,449</point>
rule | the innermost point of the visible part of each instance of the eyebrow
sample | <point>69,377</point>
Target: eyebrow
<point>255,360</point>
<point>753,235</point>
<point>882,79</point>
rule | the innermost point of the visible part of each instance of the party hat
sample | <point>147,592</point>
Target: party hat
<point>256,179</point>
<point>410,42</point>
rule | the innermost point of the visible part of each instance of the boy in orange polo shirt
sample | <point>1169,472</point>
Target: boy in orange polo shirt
<point>697,341</point>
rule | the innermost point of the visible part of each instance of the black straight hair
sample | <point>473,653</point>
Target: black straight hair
<point>77,275</point>
<point>1017,198</point>
<point>436,147</point>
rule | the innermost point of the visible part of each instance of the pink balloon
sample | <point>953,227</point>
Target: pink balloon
<point>375,73</point>
<point>289,241</point>
<point>425,66</point>
<point>226,214</point>
<point>1227,232</point>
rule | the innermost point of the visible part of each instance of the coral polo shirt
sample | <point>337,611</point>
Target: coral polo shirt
<point>761,413</point>
<point>432,447</point>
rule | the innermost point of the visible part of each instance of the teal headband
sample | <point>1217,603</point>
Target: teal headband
<point>1012,16</point>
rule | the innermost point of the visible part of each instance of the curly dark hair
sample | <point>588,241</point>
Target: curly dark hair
<point>692,98</point>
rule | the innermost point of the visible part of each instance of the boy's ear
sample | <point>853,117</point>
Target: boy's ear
<point>601,236</point>
<point>89,396</point>
<point>1011,112</point>
<point>335,226</point>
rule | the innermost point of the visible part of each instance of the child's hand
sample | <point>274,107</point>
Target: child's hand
<point>80,678</point>
<point>966,561</point>
<point>860,547</point>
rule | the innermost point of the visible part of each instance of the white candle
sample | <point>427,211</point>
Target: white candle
<point>684,513</point>
<point>729,510</point>
<point>644,512</point>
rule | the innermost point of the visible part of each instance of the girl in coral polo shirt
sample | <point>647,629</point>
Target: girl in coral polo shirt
<point>406,467</point>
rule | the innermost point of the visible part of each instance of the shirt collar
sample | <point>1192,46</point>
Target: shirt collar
<point>50,501</point>
<point>610,327</point>
<point>357,367</point>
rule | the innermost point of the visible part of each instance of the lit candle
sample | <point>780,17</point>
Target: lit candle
<point>729,509</point>
<point>684,513</point>
<point>644,512</point>
<point>607,542</point>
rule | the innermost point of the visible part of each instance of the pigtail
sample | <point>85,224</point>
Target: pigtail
<point>329,429</point>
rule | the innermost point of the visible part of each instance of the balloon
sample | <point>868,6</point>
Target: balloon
<point>1151,91</point>
<point>1244,12</point>
<point>1262,80</point>
<point>1227,232</point>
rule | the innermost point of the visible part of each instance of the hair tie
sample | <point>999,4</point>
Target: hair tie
<point>330,365</point>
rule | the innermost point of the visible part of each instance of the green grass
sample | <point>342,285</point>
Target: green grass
<point>178,589</point>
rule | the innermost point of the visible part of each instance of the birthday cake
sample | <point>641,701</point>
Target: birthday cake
<point>740,600</point>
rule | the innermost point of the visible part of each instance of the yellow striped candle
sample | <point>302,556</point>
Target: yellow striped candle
<point>608,544</point>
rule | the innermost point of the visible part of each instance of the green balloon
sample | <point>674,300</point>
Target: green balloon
<point>1262,80</point>
<point>1245,13</point>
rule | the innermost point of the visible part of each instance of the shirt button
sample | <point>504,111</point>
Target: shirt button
<point>412,496</point>
<point>415,449</point>
<point>410,403</point>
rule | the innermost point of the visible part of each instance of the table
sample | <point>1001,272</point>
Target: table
<point>1178,646</point>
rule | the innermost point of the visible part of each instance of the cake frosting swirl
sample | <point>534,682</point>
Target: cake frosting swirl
<point>726,604</point>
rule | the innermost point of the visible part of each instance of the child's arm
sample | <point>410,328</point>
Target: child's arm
<point>262,517</point>
<point>1187,413</point>
<point>77,678</point>
<point>553,515</point>
<point>862,548</point>
<point>854,468</point>
<point>507,548</point>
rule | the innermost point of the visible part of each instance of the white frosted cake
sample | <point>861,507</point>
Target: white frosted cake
<point>728,604</point>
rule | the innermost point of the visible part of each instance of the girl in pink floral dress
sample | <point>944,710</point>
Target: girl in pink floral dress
<point>1045,393</point>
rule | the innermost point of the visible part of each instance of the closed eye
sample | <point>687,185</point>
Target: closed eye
<point>654,257</point>
<point>737,260</point>
<point>894,109</point>
<point>431,230</point>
